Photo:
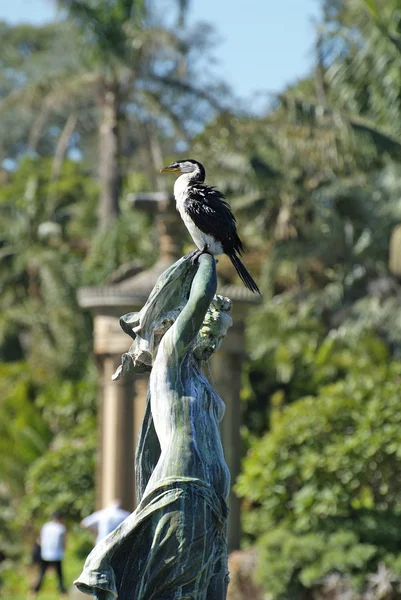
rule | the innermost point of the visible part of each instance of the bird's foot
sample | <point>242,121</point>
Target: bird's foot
<point>190,254</point>
<point>195,254</point>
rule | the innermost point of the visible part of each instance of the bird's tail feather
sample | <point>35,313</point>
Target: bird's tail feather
<point>243,273</point>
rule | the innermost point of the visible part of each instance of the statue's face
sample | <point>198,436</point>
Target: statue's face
<point>210,337</point>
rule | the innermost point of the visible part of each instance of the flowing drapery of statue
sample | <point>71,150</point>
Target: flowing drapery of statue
<point>173,546</point>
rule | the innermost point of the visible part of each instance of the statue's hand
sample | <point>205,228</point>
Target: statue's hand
<point>132,362</point>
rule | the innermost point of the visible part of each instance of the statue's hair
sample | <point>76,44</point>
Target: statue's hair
<point>217,316</point>
<point>221,303</point>
<point>219,308</point>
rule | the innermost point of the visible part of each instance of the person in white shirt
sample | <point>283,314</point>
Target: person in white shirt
<point>106,520</point>
<point>52,542</point>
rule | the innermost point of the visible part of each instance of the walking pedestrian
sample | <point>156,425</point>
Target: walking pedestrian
<point>105,521</point>
<point>52,543</point>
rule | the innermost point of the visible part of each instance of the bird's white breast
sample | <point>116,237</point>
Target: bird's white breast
<point>200,238</point>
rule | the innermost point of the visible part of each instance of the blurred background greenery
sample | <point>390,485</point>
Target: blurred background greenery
<point>315,181</point>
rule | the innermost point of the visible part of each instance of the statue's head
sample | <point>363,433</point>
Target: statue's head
<point>215,325</point>
<point>214,328</point>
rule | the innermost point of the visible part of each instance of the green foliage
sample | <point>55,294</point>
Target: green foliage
<point>10,542</point>
<point>320,496</point>
<point>31,56</point>
<point>127,237</point>
<point>23,433</point>
<point>40,266</point>
<point>363,71</point>
<point>324,291</point>
<point>320,485</point>
<point>24,437</point>
<point>63,478</point>
<point>65,404</point>
<point>48,386</point>
<point>298,562</point>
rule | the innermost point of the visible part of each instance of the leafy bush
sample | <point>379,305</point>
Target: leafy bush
<point>321,489</point>
<point>63,478</point>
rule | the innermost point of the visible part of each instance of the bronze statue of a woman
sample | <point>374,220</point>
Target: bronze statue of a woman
<point>173,546</point>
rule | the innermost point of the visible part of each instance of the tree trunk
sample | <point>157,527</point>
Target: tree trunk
<point>61,147</point>
<point>156,155</point>
<point>109,175</point>
<point>37,128</point>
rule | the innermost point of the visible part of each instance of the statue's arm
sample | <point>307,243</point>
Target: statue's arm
<point>186,327</point>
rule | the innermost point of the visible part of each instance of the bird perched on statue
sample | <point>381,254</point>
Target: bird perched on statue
<point>207,216</point>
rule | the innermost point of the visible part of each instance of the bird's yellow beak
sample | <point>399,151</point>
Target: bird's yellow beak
<point>170,170</point>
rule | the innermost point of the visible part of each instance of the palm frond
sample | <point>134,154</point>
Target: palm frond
<point>309,114</point>
<point>188,88</point>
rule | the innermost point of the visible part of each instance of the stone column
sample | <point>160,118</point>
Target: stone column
<point>121,408</point>
<point>116,458</point>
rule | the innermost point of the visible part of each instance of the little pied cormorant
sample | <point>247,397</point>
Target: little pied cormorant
<point>207,216</point>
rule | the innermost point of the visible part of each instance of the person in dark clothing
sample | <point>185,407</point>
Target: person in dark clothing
<point>52,542</point>
<point>36,557</point>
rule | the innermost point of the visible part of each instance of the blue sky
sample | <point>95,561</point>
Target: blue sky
<point>265,44</point>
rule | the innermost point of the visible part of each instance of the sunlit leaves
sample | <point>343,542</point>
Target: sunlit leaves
<point>322,480</point>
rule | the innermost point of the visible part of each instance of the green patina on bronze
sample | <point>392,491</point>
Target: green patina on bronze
<point>173,546</point>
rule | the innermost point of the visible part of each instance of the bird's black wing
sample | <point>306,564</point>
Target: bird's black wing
<point>212,215</point>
